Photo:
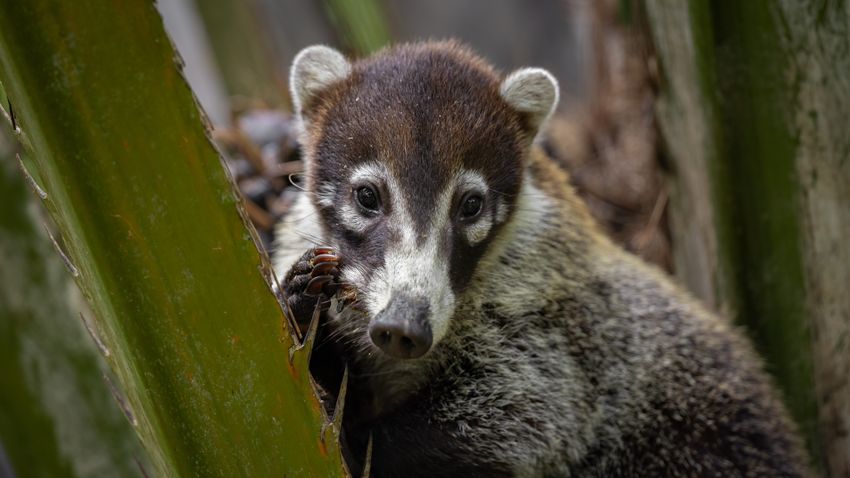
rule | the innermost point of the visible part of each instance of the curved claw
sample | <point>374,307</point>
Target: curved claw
<point>323,268</point>
<point>321,250</point>
<point>316,284</point>
<point>323,258</point>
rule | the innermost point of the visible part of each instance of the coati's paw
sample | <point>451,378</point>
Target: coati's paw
<point>314,274</point>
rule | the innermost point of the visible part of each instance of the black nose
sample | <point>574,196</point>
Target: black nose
<point>402,329</point>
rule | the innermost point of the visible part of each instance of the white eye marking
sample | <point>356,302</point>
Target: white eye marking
<point>350,216</point>
<point>373,172</point>
<point>477,230</point>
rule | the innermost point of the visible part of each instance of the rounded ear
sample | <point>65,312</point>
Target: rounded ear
<point>533,91</point>
<point>314,69</point>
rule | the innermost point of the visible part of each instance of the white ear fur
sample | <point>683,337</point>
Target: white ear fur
<point>314,69</point>
<point>533,91</point>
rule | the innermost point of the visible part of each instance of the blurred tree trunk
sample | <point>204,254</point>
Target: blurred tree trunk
<point>754,104</point>
<point>611,147</point>
<point>211,376</point>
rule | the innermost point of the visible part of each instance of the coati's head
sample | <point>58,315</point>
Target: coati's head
<point>415,159</point>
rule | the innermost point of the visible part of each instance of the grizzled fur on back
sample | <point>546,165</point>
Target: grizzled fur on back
<point>562,354</point>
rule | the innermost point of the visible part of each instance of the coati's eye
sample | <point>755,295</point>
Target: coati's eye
<point>471,206</point>
<point>367,197</point>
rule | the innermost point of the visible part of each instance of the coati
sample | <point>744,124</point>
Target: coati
<point>489,328</point>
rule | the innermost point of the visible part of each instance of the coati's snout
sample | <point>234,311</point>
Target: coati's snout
<point>402,330</point>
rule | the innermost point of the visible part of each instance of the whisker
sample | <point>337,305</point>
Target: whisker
<point>293,183</point>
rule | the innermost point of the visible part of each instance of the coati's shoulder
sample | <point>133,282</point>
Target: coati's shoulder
<point>700,376</point>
